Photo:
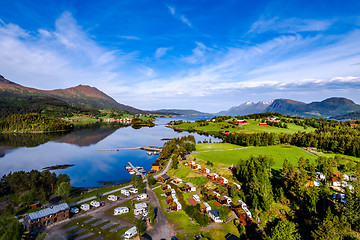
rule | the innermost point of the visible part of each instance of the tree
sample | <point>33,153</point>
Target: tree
<point>151,214</point>
<point>140,226</point>
<point>138,183</point>
<point>331,228</point>
<point>284,230</point>
<point>10,228</point>
<point>151,180</point>
<point>63,190</point>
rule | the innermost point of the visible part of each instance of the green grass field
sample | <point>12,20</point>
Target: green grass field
<point>252,127</point>
<point>278,152</point>
<point>215,146</point>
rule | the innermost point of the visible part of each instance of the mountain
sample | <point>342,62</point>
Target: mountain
<point>15,98</point>
<point>326,108</point>
<point>246,109</point>
<point>177,112</point>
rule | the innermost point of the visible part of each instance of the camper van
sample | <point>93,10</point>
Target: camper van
<point>125,192</point>
<point>142,196</point>
<point>121,210</point>
<point>74,210</point>
<point>85,207</point>
<point>112,198</point>
<point>133,190</point>
<point>95,204</point>
<point>140,211</point>
<point>130,233</point>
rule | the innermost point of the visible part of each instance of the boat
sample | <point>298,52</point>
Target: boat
<point>149,153</point>
<point>131,172</point>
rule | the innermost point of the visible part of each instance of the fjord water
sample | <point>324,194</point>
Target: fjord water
<point>81,148</point>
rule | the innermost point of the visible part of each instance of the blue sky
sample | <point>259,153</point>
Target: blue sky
<point>204,55</point>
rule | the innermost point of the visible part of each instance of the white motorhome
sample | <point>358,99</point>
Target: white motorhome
<point>139,211</point>
<point>196,198</point>
<point>130,233</point>
<point>95,204</point>
<point>133,190</point>
<point>125,192</point>
<point>141,205</point>
<point>85,207</point>
<point>228,200</point>
<point>112,198</point>
<point>142,196</point>
<point>121,210</point>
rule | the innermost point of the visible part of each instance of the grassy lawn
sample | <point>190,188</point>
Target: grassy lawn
<point>129,217</point>
<point>278,152</point>
<point>252,127</point>
<point>96,192</point>
<point>215,146</point>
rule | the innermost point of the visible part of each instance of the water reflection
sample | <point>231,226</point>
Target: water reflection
<point>80,147</point>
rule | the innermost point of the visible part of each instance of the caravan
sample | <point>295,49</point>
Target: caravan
<point>112,198</point>
<point>125,192</point>
<point>133,190</point>
<point>95,204</point>
<point>140,211</point>
<point>85,207</point>
<point>130,233</point>
<point>142,196</point>
<point>121,210</point>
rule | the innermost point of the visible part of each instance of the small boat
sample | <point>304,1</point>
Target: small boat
<point>149,153</point>
<point>131,172</point>
<point>128,168</point>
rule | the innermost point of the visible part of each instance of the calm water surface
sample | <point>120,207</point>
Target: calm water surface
<point>93,167</point>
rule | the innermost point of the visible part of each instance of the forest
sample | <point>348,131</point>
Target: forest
<point>313,212</point>
<point>33,123</point>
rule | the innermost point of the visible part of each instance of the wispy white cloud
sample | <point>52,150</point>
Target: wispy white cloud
<point>162,51</point>
<point>130,37</point>
<point>181,17</point>
<point>291,25</point>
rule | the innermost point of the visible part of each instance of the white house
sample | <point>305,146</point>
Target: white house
<point>112,198</point>
<point>196,198</point>
<point>133,190</point>
<point>208,208</point>
<point>130,233</point>
<point>85,207</point>
<point>95,204</point>
<point>344,184</point>
<point>192,187</point>
<point>225,180</point>
<point>228,200</point>
<point>141,205</point>
<point>74,210</point>
<point>125,192</point>
<point>214,215</point>
<point>121,210</point>
<point>142,196</point>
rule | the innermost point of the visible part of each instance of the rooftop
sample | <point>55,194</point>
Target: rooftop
<point>48,211</point>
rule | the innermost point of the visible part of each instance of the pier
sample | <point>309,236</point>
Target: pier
<point>145,148</point>
<point>151,149</point>
<point>136,170</point>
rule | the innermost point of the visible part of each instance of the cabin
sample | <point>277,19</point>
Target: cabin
<point>212,176</point>
<point>336,182</point>
<point>163,178</point>
<point>95,204</point>
<point>125,192</point>
<point>46,217</point>
<point>195,166</point>
<point>142,196</point>
<point>202,208</point>
<point>112,198</point>
<point>121,210</point>
<point>141,205</point>
<point>353,125</point>
<point>85,207</point>
<point>215,216</point>
<point>168,192</point>
<point>196,198</point>
<point>169,199</point>
<point>177,181</point>
<point>189,187</point>
<point>219,180</point>
<point>130,233</point>
<point>164,186</point>
<point>155,167</point>
<point>133,190</point>
<point>238,187</point>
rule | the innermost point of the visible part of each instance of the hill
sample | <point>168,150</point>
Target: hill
<point>348,116</point>
<point>246,109</point>
<point>15,98</point>
<point>326,108</point>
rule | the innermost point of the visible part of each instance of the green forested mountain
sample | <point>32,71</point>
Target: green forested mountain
<point>32,122</point>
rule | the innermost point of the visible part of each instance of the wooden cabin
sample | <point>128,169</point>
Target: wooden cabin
<point>163,178</point>
<point>46,217</point>
<point>169,199</point>
<point>164,186</point>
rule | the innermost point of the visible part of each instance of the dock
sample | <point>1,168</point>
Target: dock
<point>151,149</point>
<point>136,170</point>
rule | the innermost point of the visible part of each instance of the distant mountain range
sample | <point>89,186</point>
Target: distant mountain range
<point>188,112</point>
<point>15,98</point>
<point>246,108</point>
<point>334,107</point>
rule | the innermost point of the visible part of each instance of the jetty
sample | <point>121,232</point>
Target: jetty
<point>151,149</point>
<point>119,149</point>
<point>136,170</point>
